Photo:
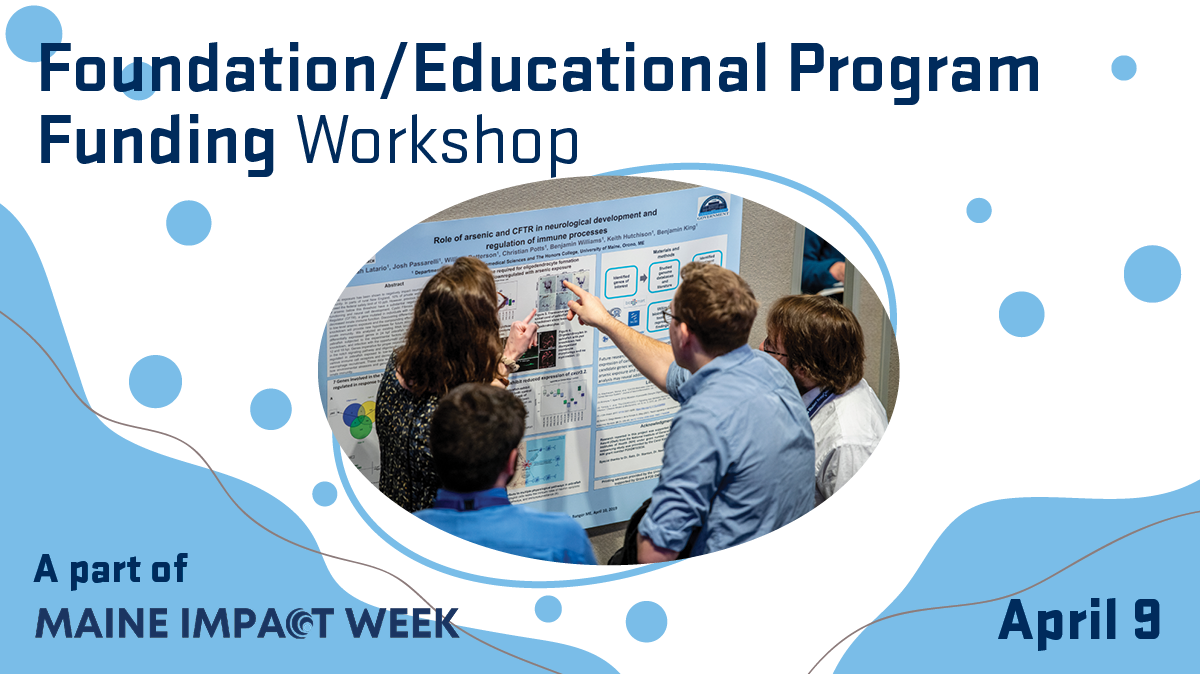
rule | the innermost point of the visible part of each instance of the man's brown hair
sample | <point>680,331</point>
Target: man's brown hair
<point>454,337</point>
<point>717,306</point>
<point>821,338</point>
<point>474,430</point>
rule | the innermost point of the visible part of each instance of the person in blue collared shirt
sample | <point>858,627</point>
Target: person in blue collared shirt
<point>473,437</point>
<point>738,462</point>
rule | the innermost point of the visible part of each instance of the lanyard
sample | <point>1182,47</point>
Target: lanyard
<point>470,501</point>
<point>819,401</point>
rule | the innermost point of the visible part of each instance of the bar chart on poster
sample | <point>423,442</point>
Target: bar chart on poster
<point>595,427</point>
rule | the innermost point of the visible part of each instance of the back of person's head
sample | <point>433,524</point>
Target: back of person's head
<point>717,305</point>
<point>821,338</point>
<point>454,336</point>
<point>474,429</point>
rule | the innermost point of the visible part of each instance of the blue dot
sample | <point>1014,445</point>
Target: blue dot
<point>271,409</point>
<point>188,223</point>
<point>1022,314</point>
<point>548,608</point>
<point>646,621</point>
<point>1152,274</point>
<point>979,210</point>
<point>28,28</point>
<point>324,493</point>
<point>1124,68</point>
<point>155,381</point>
<point>143,92</point>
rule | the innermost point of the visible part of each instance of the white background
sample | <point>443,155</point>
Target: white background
<point>1080,174</point>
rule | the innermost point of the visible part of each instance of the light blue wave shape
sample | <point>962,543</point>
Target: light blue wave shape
<point>79,492</point>
<point>1002,547</point>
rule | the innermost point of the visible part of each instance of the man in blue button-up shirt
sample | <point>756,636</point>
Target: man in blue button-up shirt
<point>738,462</point>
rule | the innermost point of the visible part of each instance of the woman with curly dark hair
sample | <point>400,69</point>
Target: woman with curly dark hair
<point>454,338</point>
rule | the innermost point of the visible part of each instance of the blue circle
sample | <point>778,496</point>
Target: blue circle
<point>155,381</point>
<point>145,91</point>
<point>188,223</point>
<point>1022,314</point>
<point>28,28</point>
<point>1152,274</point>
<point>271,409</point>
<point>548,608</point>
<point>1124,68</point>
<point>646,621</point>
<point>324,493</point>
<point>979,210</point>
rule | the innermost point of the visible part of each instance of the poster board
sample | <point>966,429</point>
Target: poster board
<point>595,427</point>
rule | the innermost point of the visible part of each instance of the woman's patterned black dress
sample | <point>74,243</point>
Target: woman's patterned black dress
<point>402,420</point>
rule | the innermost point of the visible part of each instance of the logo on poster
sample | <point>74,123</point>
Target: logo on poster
<point>713,206</point>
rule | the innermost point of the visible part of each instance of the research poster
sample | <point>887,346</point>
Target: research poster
<point>212,233</point>
<point>594,428</point>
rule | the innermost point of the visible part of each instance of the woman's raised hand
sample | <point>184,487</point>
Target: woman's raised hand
<point>521,336</point>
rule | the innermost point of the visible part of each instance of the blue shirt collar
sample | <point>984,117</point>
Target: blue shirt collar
<point>723,362</point>
<point>471,501</point>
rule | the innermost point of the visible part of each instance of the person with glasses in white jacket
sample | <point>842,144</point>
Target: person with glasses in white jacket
<point>821,343</point>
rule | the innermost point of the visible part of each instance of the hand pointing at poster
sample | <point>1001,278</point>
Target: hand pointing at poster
<point>651,357</point>
<point>588,308</point>
<point>521,336</point>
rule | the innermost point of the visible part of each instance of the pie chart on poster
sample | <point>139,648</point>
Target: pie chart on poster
<point>359,417</point>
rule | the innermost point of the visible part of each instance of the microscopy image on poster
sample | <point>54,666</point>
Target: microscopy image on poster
<point>560,343</point>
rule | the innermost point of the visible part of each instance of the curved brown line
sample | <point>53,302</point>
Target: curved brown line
<point>1003,597</point>
<point>239,506</point>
